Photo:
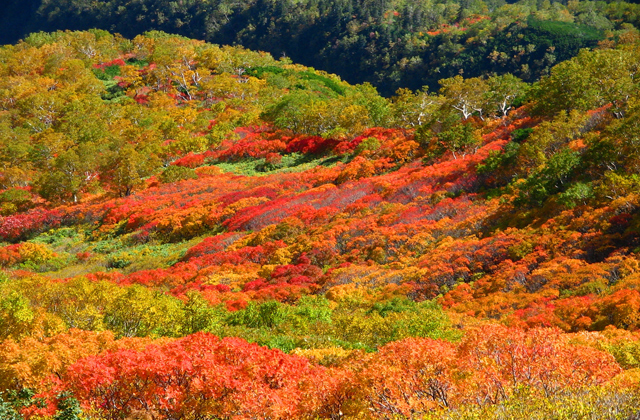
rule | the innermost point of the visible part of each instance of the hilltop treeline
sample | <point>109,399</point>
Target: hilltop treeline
<point>391,43</point>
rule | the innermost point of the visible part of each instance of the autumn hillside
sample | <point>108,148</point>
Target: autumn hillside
<point>193,231</point>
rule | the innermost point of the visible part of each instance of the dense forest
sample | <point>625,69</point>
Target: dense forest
<point>195,231</point>
<point>388,43</point>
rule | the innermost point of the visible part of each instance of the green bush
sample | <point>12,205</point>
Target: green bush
<point>177,173</point>
<point>521,134</point>
<point>14,200</point>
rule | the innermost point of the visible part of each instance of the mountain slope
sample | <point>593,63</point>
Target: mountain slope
<point>481,243</point>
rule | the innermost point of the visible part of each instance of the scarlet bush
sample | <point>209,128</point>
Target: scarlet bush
<point>198,376</point>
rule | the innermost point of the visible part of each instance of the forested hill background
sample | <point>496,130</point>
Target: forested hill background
<point>389,43</point>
